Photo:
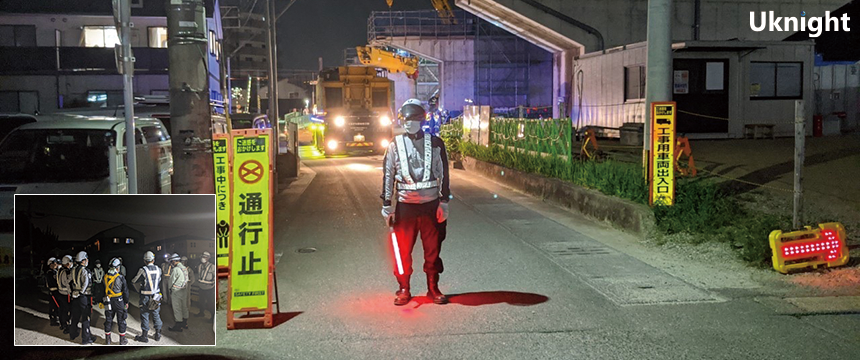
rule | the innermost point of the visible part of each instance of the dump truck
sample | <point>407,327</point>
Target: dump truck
<point>354,110</point>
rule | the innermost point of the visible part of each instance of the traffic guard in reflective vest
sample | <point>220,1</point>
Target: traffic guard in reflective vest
<point>82,302</point>
<point>148,283</point>
<point>415,176</point>
<point>116,301</point>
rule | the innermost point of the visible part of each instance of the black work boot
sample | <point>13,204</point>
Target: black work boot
<point>141,338</point>
<point>107,338</point>
<point>433,290</point>
<point>176,327</point>
<point>185,324</point>
<point>403,295</point>
<point>157,335</point>
<point>122,340</point>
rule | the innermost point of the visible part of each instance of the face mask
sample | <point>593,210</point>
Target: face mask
<point>204,260</point>
<point>98,265</point>
<point>412,126</point>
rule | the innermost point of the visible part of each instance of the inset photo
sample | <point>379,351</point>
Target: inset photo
<point>114,270</point>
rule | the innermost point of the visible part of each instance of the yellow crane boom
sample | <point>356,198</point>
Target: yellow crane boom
<point>389,60</point>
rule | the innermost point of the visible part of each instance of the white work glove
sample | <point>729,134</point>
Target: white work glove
<point>442,212</point>
<point>388,213</point>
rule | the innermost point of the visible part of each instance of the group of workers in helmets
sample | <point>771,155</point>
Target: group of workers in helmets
<point>74,288</point>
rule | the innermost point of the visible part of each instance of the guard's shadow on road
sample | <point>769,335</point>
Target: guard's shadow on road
<point>489,298</point>
<point>277,319</point>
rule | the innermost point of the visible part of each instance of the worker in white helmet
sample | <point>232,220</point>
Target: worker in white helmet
<point>206,277</point>
<point>148,283</point>
<point>116,301</point>
<point>415,177</point>
<point>64,279</point>
<point>53,293</point>
<point>82,302</point>
<point>178,282</point>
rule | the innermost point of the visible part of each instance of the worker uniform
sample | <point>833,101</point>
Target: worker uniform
<point>64,279</point>
<point>178,295</point>
<point>192,279</point>
<point>98,283</point>
<point>207,275</point>
<point>116,300</point>
<point>166,268</point>
<point>54,294</point>
<point>81,303</point>
<point>148,281</point>
<point>415,175</point>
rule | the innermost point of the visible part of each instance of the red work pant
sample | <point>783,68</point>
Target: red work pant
<point>407,229</point>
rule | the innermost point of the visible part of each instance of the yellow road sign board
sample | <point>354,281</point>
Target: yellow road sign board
<point>662,164</point>
<point>822,246</point>
<point>251,248</point>
<point>221,155</point>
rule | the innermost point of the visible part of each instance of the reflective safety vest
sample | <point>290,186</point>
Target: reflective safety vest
<point>51,280</point>
<point>78,274</point>
<point>151,280</point>
<point>63,279</point>
<point>207,274</point>
<point>109,281</point>
<point>409,183</point>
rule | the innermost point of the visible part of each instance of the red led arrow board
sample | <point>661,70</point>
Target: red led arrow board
<point>824,246</point>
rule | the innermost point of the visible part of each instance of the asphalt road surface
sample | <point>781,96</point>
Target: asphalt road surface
<point>526,281</point>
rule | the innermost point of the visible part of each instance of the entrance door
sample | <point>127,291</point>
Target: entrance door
<point>701,88</point>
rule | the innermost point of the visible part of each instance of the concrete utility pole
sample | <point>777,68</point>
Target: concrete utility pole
<point>799,147</point>
<point>658,77</point>
<point>122,12</point>
<point>189,97</point>
<point>273,77</point>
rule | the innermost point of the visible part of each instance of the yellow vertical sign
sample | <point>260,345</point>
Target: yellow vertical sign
<point>662,181</point>
<point>221,154</point>
<point>250,251</point>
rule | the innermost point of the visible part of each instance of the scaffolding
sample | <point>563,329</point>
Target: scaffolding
<point>510,73</point>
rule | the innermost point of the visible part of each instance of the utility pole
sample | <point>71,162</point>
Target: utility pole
<point>122,15</point>
<point>799,149</point>
<point>658,76</point>
<point>189,97</point>
<point>273,78</point>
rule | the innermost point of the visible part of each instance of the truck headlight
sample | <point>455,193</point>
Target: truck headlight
<point>384,120</point>
<point>339,121</point>
<point>332,145</point>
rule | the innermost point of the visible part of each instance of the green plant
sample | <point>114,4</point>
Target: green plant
<point>702,209</point>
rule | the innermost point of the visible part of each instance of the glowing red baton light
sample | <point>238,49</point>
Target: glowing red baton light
<point>396,251</point>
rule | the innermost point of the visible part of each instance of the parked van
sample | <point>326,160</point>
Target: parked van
<point>82,155</point>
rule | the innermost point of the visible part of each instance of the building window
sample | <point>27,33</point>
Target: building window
<point>157,36</point>
<point>129,241</point>
<point>138,4</point>
<point>17,35</point>
<point>776,80</point>
<point>212,42</point>
<point>100,36</point>
<point>26,102</point>
<point>193,244</point>
<point>634,82</point>
<point>116,240</point>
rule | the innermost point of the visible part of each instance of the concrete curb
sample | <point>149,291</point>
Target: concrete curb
<point>627,215</point>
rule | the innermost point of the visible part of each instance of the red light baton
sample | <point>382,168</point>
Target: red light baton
<point>396,251</point>
<point>55,301</point>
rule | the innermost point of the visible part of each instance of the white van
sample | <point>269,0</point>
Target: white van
<point>81,155</point>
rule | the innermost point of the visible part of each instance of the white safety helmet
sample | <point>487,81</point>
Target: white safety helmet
<point>412,101</point>
<point>184,258</point>
<point>206,255</point>
<point>81,256</point>
<point>175,257</point>
<point>148,256</point>
<point>51,260</point>
<point>67,259</point>
<point>115,262</point>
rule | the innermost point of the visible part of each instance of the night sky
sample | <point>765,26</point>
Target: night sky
<point>314,28</point>
<point>157,216</point>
